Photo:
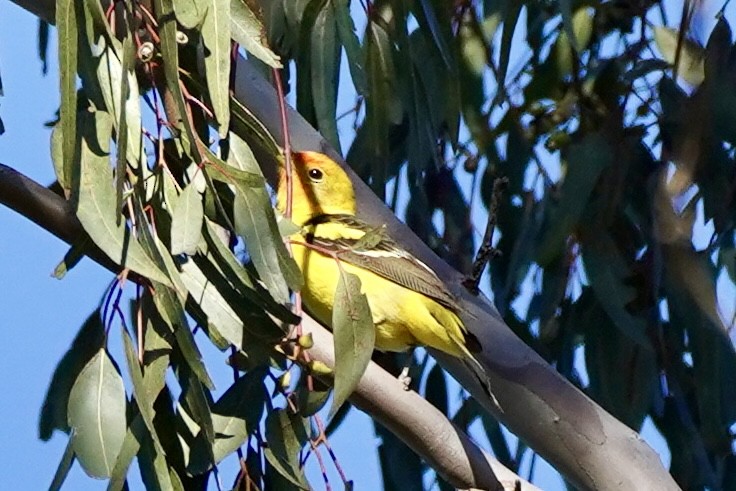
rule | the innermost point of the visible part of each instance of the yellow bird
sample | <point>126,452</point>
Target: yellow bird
<point>410,305</point>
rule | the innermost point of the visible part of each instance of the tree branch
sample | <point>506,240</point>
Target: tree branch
<point>586,444</point>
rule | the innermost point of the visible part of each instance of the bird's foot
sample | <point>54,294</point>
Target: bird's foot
<point>404,378</point>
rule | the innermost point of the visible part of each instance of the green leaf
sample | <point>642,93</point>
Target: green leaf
<point>577,26</point>
<point>96,415</point>
<point>324,67</point>
<point>65,465</point>
<point>692,55</point>
<point>205,294</point>
<point>97,212</point>
<point>623,375</point>
<point>128,450</point>
<point>246,123</point>
<point>285,440</point>
<point>248,31</point>
<point>234,416</point>
<point>186,221</point>
<point>382,105</point>
<point>72,257</point>
<point>351,43</point>
<point>144,399</point>
<point>115,80</point>
<point>197,400</point>
<point>170,308</point>
<point>190,13</point>
<point>170,53</point>
<point>216,37</point>
<point>585,163</point>
<point>428,20</point>
<point>355,337</point>
<point>511,12</point>
<point>88,341</point>
<point>255,222</point>
<point>121,167</point>
<point>239,277</point>
<point>68,42</point>
<point>607,270</point>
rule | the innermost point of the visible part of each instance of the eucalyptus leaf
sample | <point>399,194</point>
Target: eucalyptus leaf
<point>190,13</point>
<point>324,66</point>
<point>143,398</point>
<point>692,56</point>
<point>205,294</point>
<point>216,37</point>
<point>88,341</point>
<point>284,445</point>
<point>67,12</point>
<point>65,465</point>
<point>248,31</point>
<point>234,416</point>
<point>351,43</point>
<point>186,221</point>
<point>128,450</point>
<point>97,212</point>
<point>355,337</point>
<point>97,415</point>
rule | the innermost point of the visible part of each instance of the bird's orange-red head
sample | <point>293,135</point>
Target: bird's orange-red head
<point>319,186</point>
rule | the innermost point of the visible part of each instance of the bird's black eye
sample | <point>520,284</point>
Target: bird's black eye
<point>315,175</point>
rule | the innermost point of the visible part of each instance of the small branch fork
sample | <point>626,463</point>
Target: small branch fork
<point>486,252</point>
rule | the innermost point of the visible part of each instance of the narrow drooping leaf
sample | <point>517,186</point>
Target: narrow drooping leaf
<point>170,53</point>
<point>98,214</point>
<point>96,413</point>
<point>172,312</point>
<point>65,465</point>
<point>72,257</point>
<point>255,222</point>
<point>244,120</point>
<point>324,65</point>
<point>143,399</point>
<point>351,43</point>
<point>121,167</point>
<point>86,344</point>
<point>196,399</point>
<point>115,80</point>
<point>190,13</point>
<point>128,450</point>
<point>205,294</point>
<point>607,270</point>
<point>234,416</point>
<point>511,13</point>
<point>284,445</point>
<point>239,277</point>
<point>586,161</point>
<point>428,20</point>
<point>692,56</point>
<point>248,31</point>
<point>216,38</point>
<point>355,337</point>
<point>186,221</point>
<point>67,29</point>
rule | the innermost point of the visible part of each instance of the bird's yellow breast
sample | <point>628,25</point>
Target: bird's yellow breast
<point>403,317</point>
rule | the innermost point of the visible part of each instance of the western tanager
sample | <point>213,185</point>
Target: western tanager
<point>410,305</point>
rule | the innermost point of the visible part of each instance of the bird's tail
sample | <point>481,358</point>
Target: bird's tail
<point>480,374</point>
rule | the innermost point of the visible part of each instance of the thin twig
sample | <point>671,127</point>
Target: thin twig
<point>486,251</point>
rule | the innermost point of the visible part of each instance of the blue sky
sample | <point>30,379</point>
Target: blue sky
<point>42,314</point>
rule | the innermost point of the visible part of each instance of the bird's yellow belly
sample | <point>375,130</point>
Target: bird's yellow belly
<point>387,300</point>
<point>403,318</point>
